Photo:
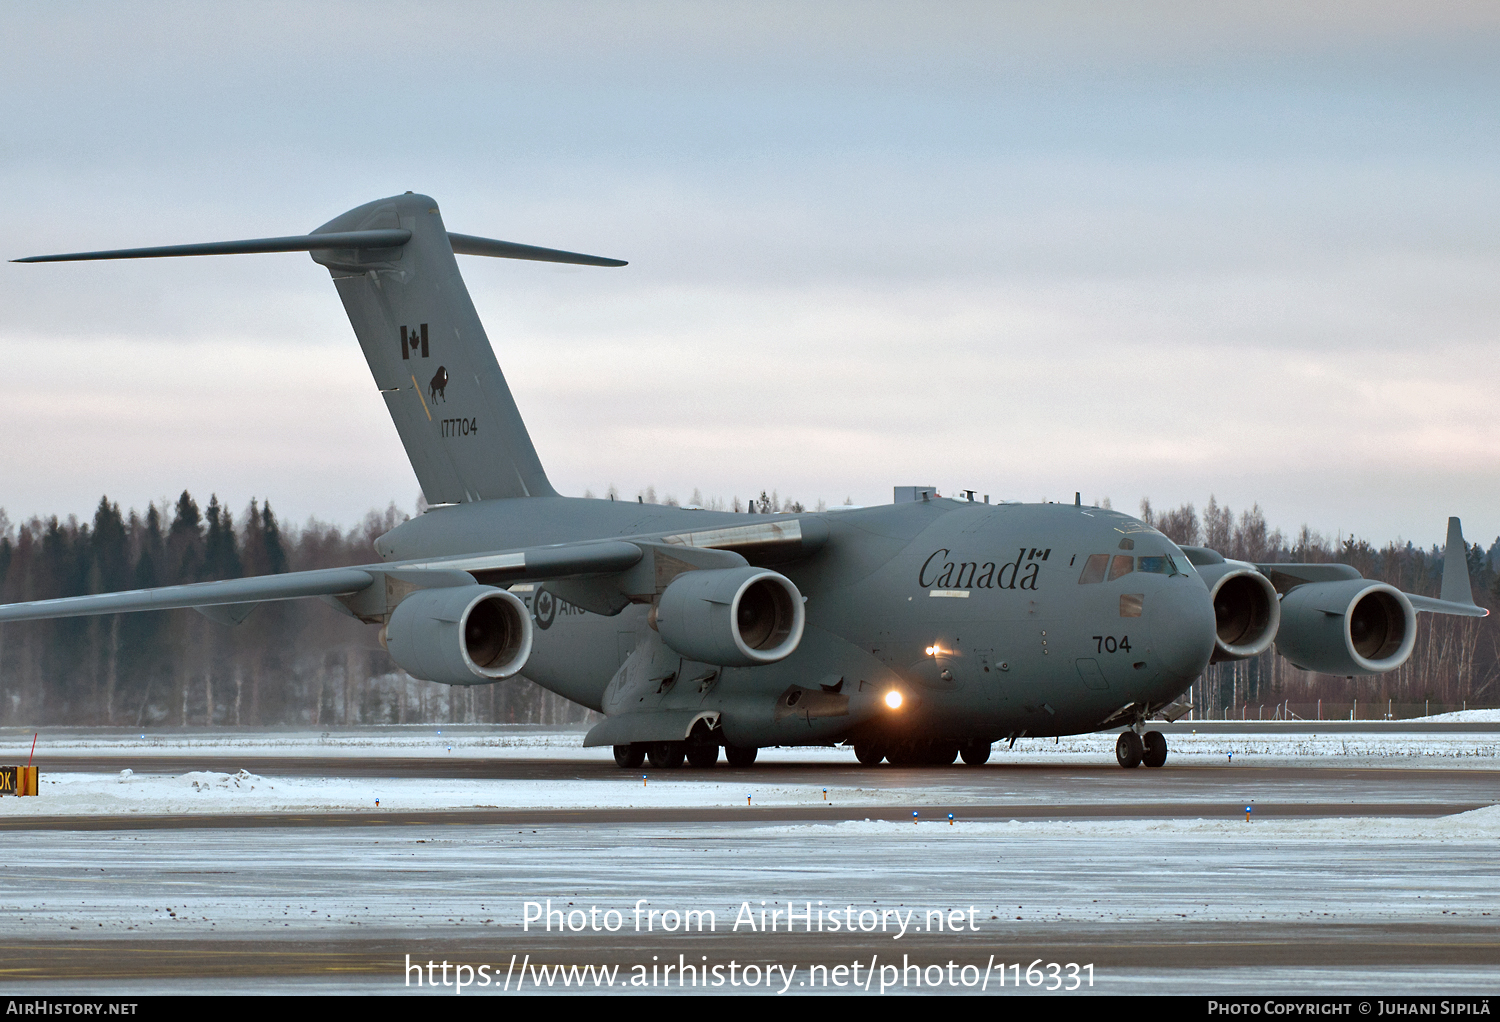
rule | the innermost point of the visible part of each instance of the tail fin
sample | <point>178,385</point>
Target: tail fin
<point>429,353</point>
<point>393,264</point>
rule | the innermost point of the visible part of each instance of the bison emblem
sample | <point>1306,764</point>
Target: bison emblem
<point>438,385</point>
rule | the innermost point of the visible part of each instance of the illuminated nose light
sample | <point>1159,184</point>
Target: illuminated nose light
<point>893,699</point>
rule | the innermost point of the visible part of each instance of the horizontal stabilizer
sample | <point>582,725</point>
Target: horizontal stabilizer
<point>1458,608</point>
<point>467,244</point>
<point>298,243</point>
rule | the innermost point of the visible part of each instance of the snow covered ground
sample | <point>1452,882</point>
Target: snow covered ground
<point>1334,882</point>
<point>1376,744</point>
<point>201,791</point>
<point>1346,888</point>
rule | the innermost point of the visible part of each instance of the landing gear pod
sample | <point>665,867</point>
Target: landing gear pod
<point>733,617</point>
<point>465,635</point>
<point>1354,627</point>
<point>1246,614</point>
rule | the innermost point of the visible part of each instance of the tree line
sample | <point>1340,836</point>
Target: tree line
<point>302,662</point>
<point>297,662</point>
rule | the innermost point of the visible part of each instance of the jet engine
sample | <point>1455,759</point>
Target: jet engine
<point>1354,627</point>
<point>1246,610</point>
<point>733,617</point>
<point>464,635</point>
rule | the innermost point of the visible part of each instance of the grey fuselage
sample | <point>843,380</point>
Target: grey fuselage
<point>974,612</point>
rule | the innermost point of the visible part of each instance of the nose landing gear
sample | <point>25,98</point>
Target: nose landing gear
<point>1131,750</point>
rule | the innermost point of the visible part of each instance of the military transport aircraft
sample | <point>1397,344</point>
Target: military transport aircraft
<point>913,632</point>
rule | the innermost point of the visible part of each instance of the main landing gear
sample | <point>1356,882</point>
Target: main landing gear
<point>1131,750</point>
<point>921,753</point>
<point>669,755</point>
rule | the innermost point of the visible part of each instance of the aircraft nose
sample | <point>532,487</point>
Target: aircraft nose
<point>1182,629</point>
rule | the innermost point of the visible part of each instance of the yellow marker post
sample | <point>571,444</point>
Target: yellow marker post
<point>18,780</point>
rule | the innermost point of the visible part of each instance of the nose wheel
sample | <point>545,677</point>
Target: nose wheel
<point>1131,750</point>
<point>1154,751</point>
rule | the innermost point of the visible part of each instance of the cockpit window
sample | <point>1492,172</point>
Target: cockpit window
<point>1093,569</point>
<point>1155,565</point>
<point>1122,565</point>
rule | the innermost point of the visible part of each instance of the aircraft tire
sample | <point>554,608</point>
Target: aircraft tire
<point>1128,750</point>
<point>975,753</point>
<point>1155,749</point>
<point>667,755</point>
<point>942,754</point>
<point>701,757</point>
<point>902,754</point>
<point>740,755</point>
<point>629,756</point>
<point>868,755</point>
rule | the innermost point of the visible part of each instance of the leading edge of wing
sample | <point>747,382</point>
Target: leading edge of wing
<point>503,568</point>
<point>289,586</point>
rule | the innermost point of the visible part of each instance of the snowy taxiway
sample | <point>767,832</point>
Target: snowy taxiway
<point>1402,902</point>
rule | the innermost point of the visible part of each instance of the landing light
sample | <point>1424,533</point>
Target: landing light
<point>893,699</point>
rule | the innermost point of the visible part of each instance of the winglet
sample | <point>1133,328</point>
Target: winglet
<point>1456,567</point>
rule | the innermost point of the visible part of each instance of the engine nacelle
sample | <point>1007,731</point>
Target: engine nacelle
<point>1354,627</point>
<point>464,635</point>
<point>733,617</point>
<point>1247,611</point>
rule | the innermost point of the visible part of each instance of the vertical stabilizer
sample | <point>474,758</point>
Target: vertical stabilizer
<point>430,357</point>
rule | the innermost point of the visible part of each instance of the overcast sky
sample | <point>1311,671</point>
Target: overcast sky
<point>1165,250</point>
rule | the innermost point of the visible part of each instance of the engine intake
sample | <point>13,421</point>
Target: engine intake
<point>1247,613</point>
<point>732,617</point>
<point>464,635</point>
<point>1353,627</point>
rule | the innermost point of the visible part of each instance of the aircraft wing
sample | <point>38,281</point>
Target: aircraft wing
<point>1456,597</point>
<point>234,598</point>
<point>289,586</point>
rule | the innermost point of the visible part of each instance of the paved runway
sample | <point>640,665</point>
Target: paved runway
<point>668,815</point>
<point>1144,904</point>
<point>1347,880</point>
